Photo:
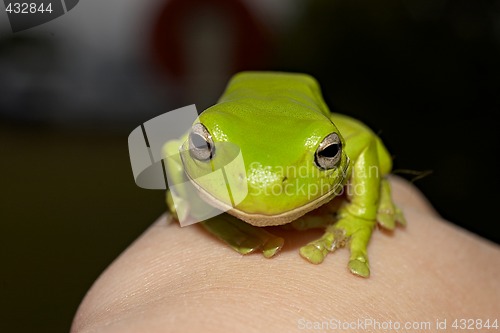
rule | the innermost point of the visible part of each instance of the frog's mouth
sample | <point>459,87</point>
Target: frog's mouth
<point>263,220</point>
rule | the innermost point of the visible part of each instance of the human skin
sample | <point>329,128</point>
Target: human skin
<point>175,279</point>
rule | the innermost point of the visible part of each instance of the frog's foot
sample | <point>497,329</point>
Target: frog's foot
<point>242,237</point>
<point>349,229</point>
<point>316,251</point>
<point>358,261</point>
<point>388,214</point>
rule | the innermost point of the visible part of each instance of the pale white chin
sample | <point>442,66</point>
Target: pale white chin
<point>263,220</point>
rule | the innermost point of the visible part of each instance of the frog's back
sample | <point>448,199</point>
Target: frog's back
<point>296,95</point>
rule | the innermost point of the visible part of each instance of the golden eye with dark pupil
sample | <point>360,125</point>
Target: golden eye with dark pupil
<point>329,152</point>
<point>201,146</point>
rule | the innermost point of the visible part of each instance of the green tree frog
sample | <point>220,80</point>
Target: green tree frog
<point>298,156</point>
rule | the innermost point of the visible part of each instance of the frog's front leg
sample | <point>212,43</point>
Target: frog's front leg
<point>350,230</point>
<point>356,218</point>
<point>243,237</point>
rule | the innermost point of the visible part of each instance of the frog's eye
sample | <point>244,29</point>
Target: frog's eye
<point>201,145</point>
<point>329,152</point>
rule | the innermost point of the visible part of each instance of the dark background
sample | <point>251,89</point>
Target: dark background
<point>424,74</point>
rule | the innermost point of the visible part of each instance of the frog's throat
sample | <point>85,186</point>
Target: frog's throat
<point>263,220</point>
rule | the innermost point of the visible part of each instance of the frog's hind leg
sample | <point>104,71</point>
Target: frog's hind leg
<point>243,237</point>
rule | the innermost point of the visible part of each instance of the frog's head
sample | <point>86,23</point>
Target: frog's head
<point>293,161</point>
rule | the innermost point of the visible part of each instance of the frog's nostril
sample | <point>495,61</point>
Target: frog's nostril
<point>284,179</point>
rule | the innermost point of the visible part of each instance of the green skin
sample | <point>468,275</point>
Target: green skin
<point>278,120</point>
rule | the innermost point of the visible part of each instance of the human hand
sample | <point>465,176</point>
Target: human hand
<point>176,279</point>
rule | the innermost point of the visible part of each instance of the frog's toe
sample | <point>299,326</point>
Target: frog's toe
<point>246,245</point>
<point>314,252</point>
<point>359,266</point>
<point>400,217</point>
<point>272,247</point>
<point>387,220</point>
<point>269,247</point>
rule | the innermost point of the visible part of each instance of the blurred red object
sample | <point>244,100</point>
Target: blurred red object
<point>249,47</point>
